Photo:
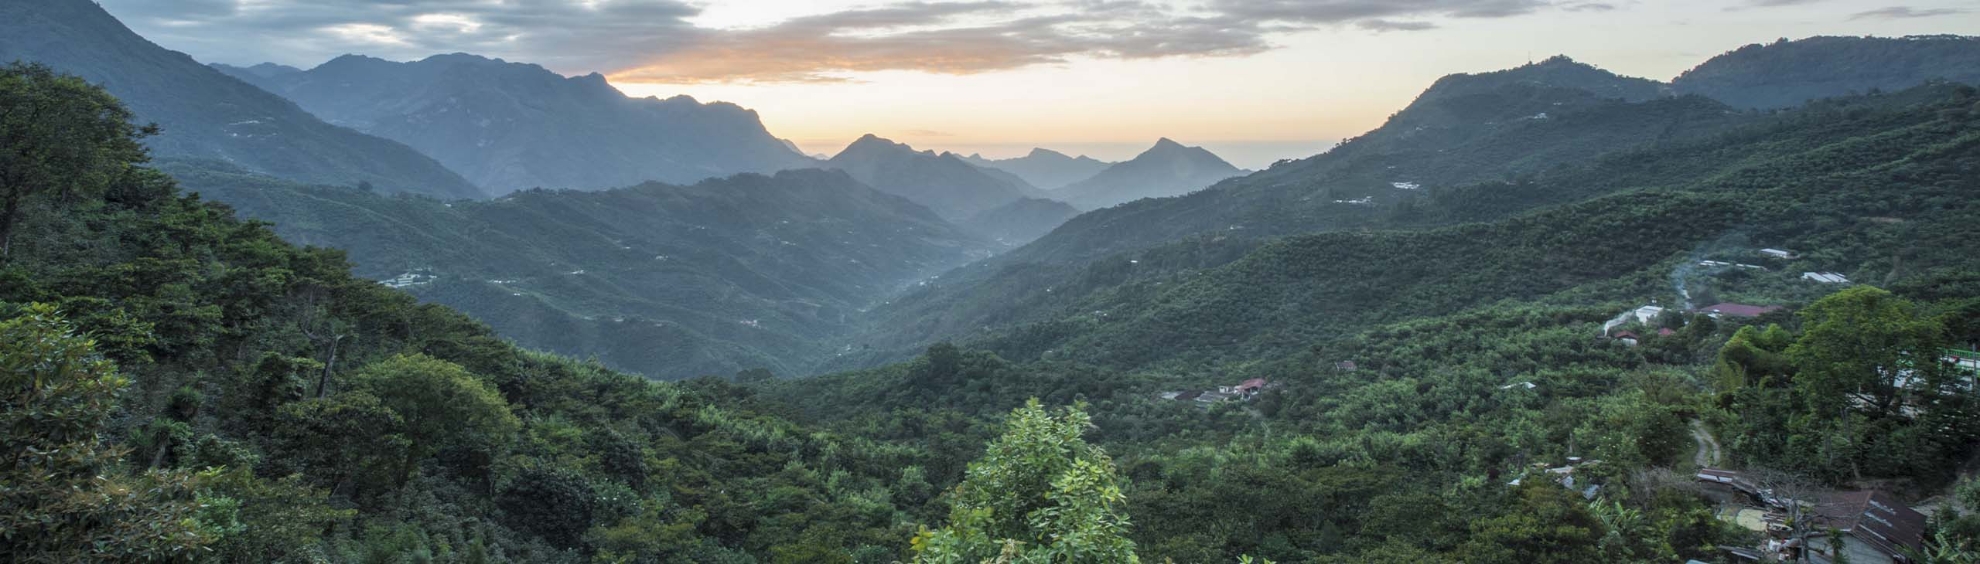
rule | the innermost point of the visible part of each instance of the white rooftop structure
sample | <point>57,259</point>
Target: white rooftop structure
<point>1825,277</point>
<point>1777,253</point>
<point>1642,315</point>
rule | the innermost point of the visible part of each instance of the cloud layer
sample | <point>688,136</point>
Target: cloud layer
<point>655,40</point>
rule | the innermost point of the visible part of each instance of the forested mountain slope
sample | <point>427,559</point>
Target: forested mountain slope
<point>1413,380</point>
<point>208,115</point>
<point>746,272</point>
<point>513,126</point>
<point>1465,129</point>
<point>1360,278</point>
<point>1020,222</point>
<point>1785,74</point>
<point>182,386</point>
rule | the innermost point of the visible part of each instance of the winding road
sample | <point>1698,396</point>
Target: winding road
<point>1708,447</point>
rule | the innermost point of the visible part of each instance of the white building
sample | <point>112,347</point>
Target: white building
<point>1642,316</point>
<point>1777,253</point>
<point>1825,277</point>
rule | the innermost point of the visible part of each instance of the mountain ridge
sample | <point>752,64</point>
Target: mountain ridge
<point>512,125</point>
<point>749,271</point>
<point>1045,168</point>
<point>206,114</point>
<point>944,182</point>
<point>1166,169</point>
<point>1776,75</point>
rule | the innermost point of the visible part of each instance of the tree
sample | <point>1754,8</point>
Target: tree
<point>442,406</point>
<point>62,497</point>
<point>1039,494</point>
<point>59,135</point>
<point>1860,346</point>
<point>349,441</point>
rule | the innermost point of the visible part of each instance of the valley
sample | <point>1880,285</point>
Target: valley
<point>467,309</point>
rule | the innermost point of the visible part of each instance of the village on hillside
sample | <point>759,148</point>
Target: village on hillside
<point>1800,522</point>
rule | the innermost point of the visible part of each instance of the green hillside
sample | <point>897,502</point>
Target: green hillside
<point>1785,74</point>
<point>1025,287</point>
<point>1414,374</point>
<point>673,282</point>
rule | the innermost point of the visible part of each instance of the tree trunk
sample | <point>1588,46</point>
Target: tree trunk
<point>163,449</point>
<point>323,382</point>
<point>7,226</point>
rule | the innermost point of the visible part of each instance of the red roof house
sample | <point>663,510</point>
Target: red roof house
<point>1251,386</point>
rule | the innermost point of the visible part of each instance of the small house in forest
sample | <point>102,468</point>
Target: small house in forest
<point>1875,527</point>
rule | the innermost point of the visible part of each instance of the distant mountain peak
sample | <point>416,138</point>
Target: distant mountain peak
<point>871,142</point>
<point>1044,152</point>
<point>513,125</point>
<point>1167,169</point>
<point>204,114</point>
<point>943,182</point>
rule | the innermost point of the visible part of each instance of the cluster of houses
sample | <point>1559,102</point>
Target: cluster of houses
<point>409,280</point>
<point>1564,475</point>
<point>1622,327</point>
<point>1724,264</point>
<point>1863,527</point>
<point>1243,391</point>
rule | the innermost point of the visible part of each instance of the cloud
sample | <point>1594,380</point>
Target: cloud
<point>1901,12</point>
<point>563,34</point>
<point>1356,11</point>
<point>1589,7</point>
<point>948,38</point>
<point>1389,25</point>
<point>655,41</point>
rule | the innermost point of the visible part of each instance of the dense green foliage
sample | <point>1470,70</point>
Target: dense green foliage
<point>65,138</point>
<point>189,386</point>
<point>1477,354</point>
<point>206,115</point>
<point>1039,494</point>
<point>1627,211</point>
<point>1784,74</point>
<point>241,399</point>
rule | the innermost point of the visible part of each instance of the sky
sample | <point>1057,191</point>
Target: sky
<point>1253,80</point>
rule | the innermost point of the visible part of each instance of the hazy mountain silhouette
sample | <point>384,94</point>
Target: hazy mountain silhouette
<point>945,183</point>
<point>1167,169</point>
<point>1789,73</point>
<point>509,126</point>
<point>1020,222</point>
<point>670,281</point>
<point>1045,168</point>
<point>207,114</point>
